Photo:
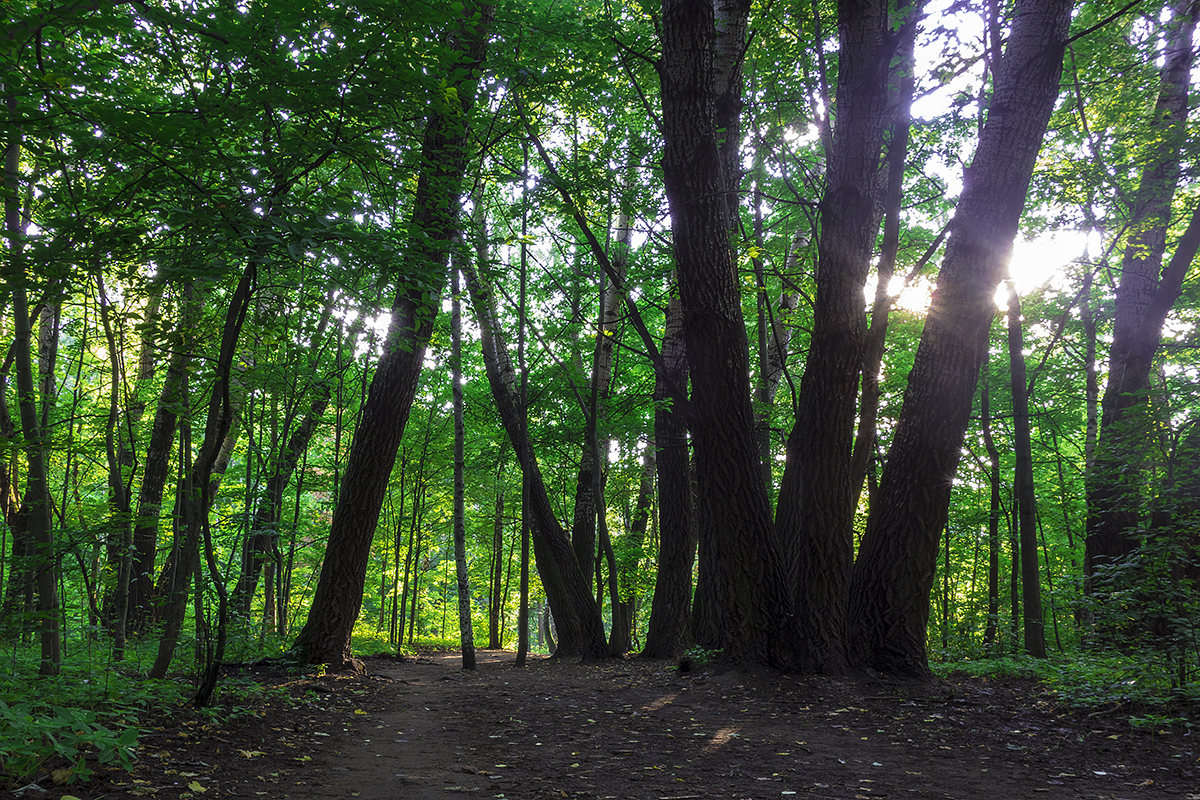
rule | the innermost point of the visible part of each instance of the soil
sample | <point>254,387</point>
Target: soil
<point>423,728</point>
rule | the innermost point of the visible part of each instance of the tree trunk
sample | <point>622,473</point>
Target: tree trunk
<point>583,526</point>
<point>204,475</point>
<point>495,598</point>
<point>576,614</point>
<point>465,630</point>
<point>1034,622</point>
<point>1144,298</point>
<point>991,628</point>
<point>742,572</point>
<point>669,631</point>
<point>815,516</point>
<point>620,640</point>
<point>264,525</point>
<point>889,605</point>
<point>157,465</point>
<point>325,637</point>
<point>899,124</point>
<point>120,520</point>
<point>37,488</point>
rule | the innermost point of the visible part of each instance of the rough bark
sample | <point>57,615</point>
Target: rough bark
<point>899,123</point>
<point>815,514</point>
<point>745,601</point>
<point>325,637</point>
<point>889,600</point>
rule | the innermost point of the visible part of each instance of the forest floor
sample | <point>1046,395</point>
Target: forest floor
<point>423,728</point>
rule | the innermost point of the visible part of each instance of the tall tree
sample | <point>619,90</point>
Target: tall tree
<point>668,633</point>
<point>815,514</point>
<point>1145,295</point>
<point>894,571</point>
<point>325,637</point>
<point>576,614</point>
<point>1026,515</point>
<point>465,630</point>
<point>746,602</point>
<point>37,489</point>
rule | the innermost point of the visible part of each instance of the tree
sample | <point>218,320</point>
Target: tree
<point>37,495</point>
<point>325,637</point>
<point>1145,296</point>
<point>893,573</point>
<point>815,515</point>
<point>744,608</point>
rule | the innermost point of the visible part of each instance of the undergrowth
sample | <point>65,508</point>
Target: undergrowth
<point>1127,685</point>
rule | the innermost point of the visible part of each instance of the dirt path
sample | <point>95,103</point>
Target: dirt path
<point>423,729</point>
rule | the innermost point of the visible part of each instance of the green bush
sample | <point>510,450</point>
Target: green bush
<point>35,736</point>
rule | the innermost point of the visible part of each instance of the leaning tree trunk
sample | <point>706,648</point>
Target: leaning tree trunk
<point>157,465</point>
<point>1144,297</point>
<point>583,525</point>
<point>899,124</point>
<point>815,515</point>
<point>325,637</point>
<point>576,615</point>
<point>893,576</point>
<point>199,488</point>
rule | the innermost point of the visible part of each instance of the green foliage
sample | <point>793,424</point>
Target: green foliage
<point>88,715</point>
<point>33,735</point>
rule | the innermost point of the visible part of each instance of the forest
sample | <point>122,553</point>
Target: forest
<point>833,338</point>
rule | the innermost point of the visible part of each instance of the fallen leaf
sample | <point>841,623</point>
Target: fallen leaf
<point>250,753</point>
<point>196,787</point>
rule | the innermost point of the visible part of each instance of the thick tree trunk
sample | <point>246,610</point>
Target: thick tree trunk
<point>325,637</point>
<point>889,600</point>
<point>899,123</point>
<point>815,515</point>
<point>746,600</point>
<point>1144,297</point>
